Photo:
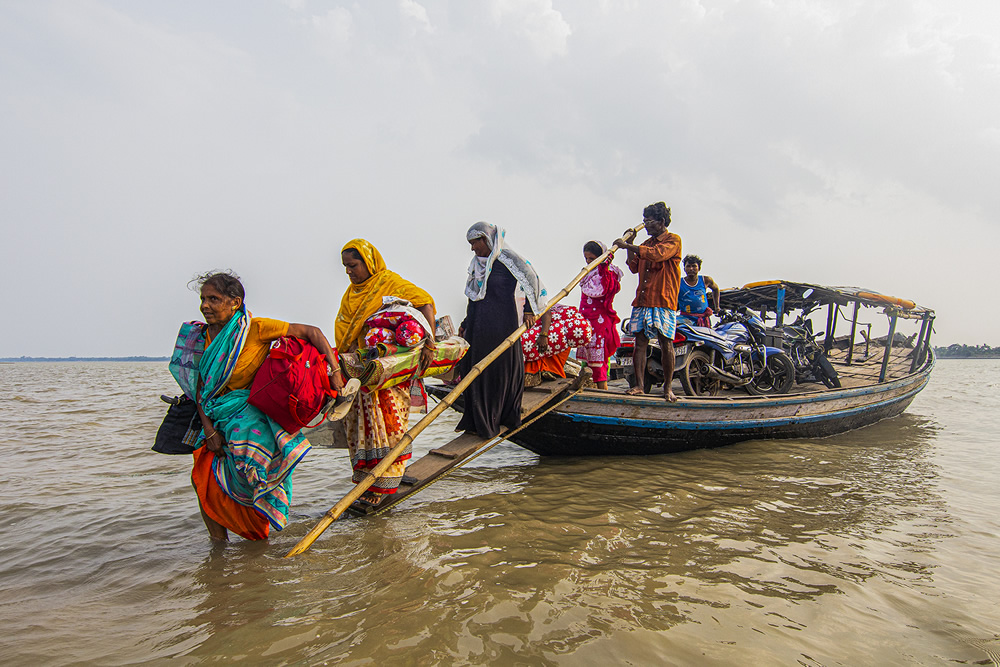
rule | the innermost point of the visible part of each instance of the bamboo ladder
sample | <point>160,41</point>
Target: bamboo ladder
<point>334,513</point>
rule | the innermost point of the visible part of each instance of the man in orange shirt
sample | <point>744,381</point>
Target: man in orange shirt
<point>654,310</point>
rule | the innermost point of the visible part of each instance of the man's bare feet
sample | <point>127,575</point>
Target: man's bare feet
<point>635,391</point>
<point>670,396</point>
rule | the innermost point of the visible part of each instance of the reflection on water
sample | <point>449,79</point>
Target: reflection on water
<point>860,548</point>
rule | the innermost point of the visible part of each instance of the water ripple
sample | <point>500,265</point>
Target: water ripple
<point>876,546</point>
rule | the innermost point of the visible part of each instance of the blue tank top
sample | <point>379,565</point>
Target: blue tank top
<point>692,300</point>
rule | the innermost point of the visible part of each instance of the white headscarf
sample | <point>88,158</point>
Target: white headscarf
<point>520,268</point>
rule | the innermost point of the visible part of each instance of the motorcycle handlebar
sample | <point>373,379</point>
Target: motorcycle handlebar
<point>740,314</point>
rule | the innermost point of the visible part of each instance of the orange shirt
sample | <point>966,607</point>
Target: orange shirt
<point>258,343</point>
<point>658,263</point>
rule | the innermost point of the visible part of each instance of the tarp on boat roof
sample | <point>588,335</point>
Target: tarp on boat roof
<point>764,295</point>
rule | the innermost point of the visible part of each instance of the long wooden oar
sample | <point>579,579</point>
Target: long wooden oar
<point>445,403</point>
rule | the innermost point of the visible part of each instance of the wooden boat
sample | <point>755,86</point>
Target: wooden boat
<point>878,380</point>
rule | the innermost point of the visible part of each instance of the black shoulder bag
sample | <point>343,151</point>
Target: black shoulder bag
<point>179,430</point>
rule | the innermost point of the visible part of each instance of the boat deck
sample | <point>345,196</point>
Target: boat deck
<point>864,370</point>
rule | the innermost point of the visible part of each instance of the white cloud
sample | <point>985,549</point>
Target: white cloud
<point>335,28</point>
<point>143,144</point>
<point>536,21</point>
<point>417,14</point>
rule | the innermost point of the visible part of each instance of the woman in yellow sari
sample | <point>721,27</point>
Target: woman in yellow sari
<point>378,419</point>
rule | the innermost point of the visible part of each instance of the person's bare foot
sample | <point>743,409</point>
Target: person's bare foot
<point>371,498</point>
<point>670,396</point>
<point>635,391</point>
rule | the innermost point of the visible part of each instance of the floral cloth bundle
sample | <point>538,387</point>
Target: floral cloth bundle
<point>377,335</point>
<point>567,329</point>
<point>397,322</point>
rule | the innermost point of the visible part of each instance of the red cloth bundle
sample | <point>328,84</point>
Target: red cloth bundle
<point>388,319</point>
<point>409,333</point>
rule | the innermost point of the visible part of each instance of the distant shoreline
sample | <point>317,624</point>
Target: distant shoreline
<point>967,358</point>
<point>47,359</point>
<point>958,351</point>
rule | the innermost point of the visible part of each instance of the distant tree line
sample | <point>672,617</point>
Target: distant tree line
<point>12,359</point>
<point>957,351</point>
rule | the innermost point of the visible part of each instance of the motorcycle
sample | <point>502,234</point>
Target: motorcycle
<point>808,356</point>
<point>654,366</point>
<point>734,354</point>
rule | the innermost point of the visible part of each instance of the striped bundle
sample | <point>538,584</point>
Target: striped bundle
<point>387,365</point>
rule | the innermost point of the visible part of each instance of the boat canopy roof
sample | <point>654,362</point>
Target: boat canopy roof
<point>764,295</point>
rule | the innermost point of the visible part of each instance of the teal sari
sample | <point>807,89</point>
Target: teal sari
<point>260,456</point>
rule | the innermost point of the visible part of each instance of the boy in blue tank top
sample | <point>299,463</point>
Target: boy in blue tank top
<point>692,296</point>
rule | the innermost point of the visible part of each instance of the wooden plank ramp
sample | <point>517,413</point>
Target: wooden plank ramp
<point>441,460</point>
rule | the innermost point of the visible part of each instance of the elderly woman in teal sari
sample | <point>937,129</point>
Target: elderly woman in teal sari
<point>243,460</point>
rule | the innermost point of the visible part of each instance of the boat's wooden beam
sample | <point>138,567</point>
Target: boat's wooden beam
<point>542,389</point>
<point>918,348</point>
<point>854,330</point>
<point>831,324</point>
<point>888,348</point>
<point>780,317</point>
<point>927,338</point>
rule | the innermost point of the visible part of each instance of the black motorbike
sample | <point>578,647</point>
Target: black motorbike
<point>808,356</point>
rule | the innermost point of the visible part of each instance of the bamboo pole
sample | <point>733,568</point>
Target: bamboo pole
<point>334,513</point>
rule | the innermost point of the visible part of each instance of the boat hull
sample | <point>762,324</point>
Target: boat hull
<point>598,423</point>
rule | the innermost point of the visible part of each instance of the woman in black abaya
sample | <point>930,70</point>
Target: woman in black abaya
<point>496,276</point>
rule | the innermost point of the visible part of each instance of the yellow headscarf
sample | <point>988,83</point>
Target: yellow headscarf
<point>361,301</point>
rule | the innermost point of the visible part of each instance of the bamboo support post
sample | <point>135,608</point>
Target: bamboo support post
<point>832,312</point>
<point>854,328</point>
<point>780,308</point>
<point>888,348</point>
<point>334,513</point>
<point>918,348</point>
<point>927,338</point>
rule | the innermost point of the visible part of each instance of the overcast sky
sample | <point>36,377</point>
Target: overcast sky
<point>837,142</point>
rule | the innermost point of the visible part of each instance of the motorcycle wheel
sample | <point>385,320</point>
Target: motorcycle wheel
<point>826,373</point>
<point>694,376</point>
<point>777,377</point>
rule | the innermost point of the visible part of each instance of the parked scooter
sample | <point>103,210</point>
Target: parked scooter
<point>654,366</point>
<point>734,354</point>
